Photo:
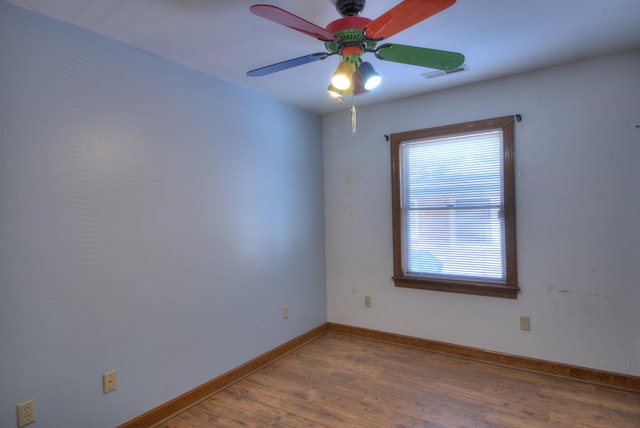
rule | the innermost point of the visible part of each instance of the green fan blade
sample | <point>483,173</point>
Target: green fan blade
<point>432,58</point>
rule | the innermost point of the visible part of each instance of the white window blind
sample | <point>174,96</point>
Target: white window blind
<point>452,207</point>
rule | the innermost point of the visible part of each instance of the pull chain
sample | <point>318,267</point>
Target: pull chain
<point>353,118</point>
<point>353,115</point>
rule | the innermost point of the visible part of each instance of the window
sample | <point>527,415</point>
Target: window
<point>453,195</point>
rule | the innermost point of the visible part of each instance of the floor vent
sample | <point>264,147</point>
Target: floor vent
<point>439,73</point>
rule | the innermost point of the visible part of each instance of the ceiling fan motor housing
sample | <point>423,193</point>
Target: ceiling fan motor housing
<point>350,7</point>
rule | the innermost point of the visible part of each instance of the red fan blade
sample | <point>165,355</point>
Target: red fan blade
<point>288,19</point>
<point>403,16</point>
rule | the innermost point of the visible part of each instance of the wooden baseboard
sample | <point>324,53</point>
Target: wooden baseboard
<point>189,398</point>
<point>600,377</point>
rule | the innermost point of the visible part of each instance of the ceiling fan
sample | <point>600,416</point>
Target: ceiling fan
<point>352,36</point>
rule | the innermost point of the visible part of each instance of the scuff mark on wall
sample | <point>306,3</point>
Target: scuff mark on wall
<point>580,293</point>
<point>352,177</point>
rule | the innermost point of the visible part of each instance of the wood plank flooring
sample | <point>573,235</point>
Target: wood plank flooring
<point>339,380</point>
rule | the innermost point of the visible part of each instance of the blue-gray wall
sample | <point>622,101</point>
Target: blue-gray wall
<point>153,221</point>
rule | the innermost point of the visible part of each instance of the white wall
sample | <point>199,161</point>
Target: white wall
<point>153,221</point>
<point>577,150</point>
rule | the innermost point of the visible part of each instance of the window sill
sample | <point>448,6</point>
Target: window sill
<point>477,288</point>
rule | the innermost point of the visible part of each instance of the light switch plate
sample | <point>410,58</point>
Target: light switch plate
<point>367,301</point>
<point>109,382</point>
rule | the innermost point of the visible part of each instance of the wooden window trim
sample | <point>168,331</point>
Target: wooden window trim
<point>508,290</point>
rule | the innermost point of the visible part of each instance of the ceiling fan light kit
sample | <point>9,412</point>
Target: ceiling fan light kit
<point>342,77</point>
<point>358,85</point>
<point>334,92</point>
<point>370,78</point>
<point>352,36</point>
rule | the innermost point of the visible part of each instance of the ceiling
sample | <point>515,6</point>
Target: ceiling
<point>222,38</point>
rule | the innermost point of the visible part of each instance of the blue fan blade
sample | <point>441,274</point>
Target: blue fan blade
<point>263,71</point>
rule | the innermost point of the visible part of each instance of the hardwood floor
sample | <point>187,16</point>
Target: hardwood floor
<point>339,380</point>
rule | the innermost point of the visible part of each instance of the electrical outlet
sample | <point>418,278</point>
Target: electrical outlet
<point>26,413</point>
<point>525,324</point>
<point>285,312</point>
<point>367,301</point>
<point>109,382</point>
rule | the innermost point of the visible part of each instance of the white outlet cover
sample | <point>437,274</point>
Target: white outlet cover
<point>26,413</point>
